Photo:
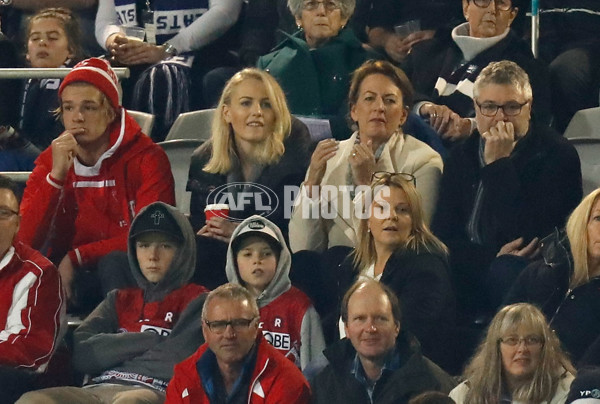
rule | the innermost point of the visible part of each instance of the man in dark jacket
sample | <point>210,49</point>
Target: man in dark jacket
<point>376,363</point>
<point>510,179</point>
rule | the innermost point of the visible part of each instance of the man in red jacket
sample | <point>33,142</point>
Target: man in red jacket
<point>90,183</point>
<point>235,364</point>
<point>31,304</point>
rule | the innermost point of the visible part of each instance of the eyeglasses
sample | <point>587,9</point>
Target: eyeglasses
<point>328,5</point>
<point>503,5</point>
<point>6,213</point>
<point>530,340</point>
<point>512,108</point>
<point>384,175</point>
<point>238,325</point>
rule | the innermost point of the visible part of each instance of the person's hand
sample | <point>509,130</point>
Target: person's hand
<point>499,141</point>
<point>447,123</point>
<point>114,40</point>
<point>129,52</point>
<point>66,271</point>
<point>64,151</point>
<point>218,228</point>
<point>414,38</point>
<point>394,48</point>
<point>362,163</point>
<point>397,47</point>
<point>325,150</point>
<point>458,128</point>
<point>515,247</point>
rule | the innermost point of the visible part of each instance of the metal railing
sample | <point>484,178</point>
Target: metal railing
<point>59,73</point>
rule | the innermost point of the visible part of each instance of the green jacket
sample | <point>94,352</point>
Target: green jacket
<point>316,82</point>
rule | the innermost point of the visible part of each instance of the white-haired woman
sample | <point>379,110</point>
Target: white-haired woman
<point>314,65</point>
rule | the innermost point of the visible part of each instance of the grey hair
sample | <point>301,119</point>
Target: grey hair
<point>504,72</point>
<point>233,292</point>
<point>346,7</point>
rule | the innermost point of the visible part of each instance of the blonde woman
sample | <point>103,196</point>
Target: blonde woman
<point>566,283</point>
<point>256,148</point>
<point>395,247</point>
<point>519,361</point>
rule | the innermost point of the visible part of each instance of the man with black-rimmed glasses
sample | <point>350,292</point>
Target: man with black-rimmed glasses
<point>235,365</point>
<point>509,184</point>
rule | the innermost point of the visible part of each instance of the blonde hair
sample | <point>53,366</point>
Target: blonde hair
<point>222,139</point>
<point>485,371</point>
<point>420,236</point>
<point>110,111</point>
<point>577,234</point>
<point>233,292</point>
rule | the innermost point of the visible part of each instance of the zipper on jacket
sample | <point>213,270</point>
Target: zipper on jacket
<point>256,380</point>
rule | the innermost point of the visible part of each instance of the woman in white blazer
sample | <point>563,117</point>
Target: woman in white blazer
<point>380,98</point>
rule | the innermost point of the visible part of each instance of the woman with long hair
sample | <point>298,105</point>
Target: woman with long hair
<point>520,360</point>
<point>395,246</point>
<point>258,146</point>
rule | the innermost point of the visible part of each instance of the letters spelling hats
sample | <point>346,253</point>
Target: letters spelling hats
<point>156,218</point>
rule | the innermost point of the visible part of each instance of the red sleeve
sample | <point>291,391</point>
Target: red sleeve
<point>178,390</point>
<point>33,322</point>
<point>151,181</point>
<point>40,205</point>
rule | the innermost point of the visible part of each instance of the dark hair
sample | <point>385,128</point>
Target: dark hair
<point>387,69</point>
<point>69,23</point>
<point>431,397</point>
<point>394,302</point>
<point>7,183</point>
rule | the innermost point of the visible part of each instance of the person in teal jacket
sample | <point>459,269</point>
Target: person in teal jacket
<point>314,66</point>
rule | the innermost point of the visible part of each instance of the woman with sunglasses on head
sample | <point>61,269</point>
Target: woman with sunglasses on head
<point>444,68</point>
<point>519,361</point>
<point>395,246</point>
<point>379,99</point>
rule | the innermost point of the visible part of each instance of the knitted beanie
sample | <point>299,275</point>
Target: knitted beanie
<point>98,73</point>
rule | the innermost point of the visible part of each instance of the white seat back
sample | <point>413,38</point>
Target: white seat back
<point>589,155</point>
<point>584,124</point>
<point>144,119</point>
<point>192,125</point>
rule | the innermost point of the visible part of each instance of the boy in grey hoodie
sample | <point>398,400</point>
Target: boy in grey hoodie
<point>131,341</point>
<point>259,259</point>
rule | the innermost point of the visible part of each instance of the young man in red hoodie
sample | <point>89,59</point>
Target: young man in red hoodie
<point>89,184</point>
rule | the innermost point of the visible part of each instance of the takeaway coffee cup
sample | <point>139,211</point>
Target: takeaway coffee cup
<point>216,210</point>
